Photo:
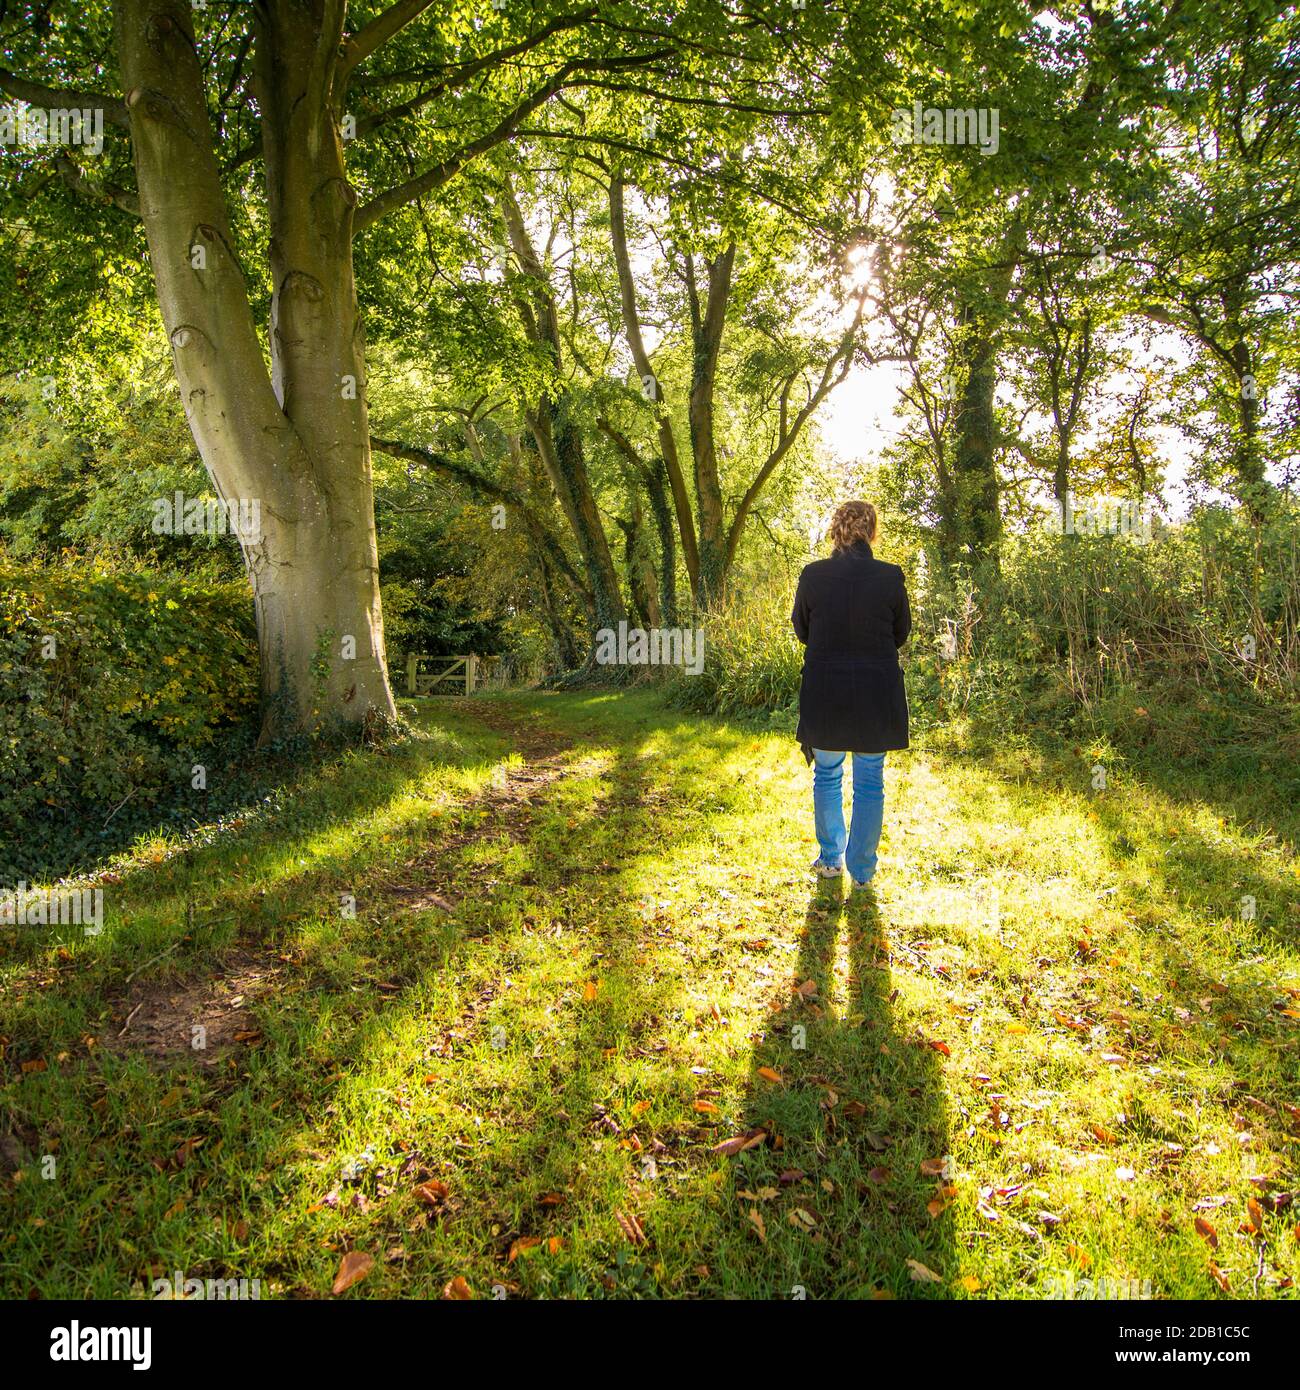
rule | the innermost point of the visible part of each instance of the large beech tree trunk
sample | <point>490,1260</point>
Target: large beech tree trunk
<point>296,437</point>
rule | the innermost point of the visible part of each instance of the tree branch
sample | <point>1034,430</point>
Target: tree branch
<point>35,94</point>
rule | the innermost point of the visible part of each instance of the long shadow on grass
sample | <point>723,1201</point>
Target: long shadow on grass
<point>325,1068</point>
<point>857,1111</point>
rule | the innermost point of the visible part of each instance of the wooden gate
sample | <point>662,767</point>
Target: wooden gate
<point>454,674</point>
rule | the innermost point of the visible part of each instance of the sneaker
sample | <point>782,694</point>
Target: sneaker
<point>827,870</point>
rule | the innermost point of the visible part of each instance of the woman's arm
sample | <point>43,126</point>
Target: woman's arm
<point>902,614</point>
<point>799,617</point>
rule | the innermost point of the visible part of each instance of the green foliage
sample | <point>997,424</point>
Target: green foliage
<point>116,680</point>
<point>752,659</point>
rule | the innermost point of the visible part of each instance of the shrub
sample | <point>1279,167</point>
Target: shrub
<point>752,658</point>
<point>113,679</point>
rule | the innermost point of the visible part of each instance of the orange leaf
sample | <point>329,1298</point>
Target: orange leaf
<point>519,1246</point>
<point>589,990</point>
<point>457,1289</point>
<point>706,1107</point>
<point>433,1192</point>
<point>1103,1135</point>
<point>768,1074</point>
<point>1256,1215</point>
<point>1207,1232</point>
<point>355,1266</point>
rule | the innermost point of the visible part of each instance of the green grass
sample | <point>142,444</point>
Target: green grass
<point>1055,988</point>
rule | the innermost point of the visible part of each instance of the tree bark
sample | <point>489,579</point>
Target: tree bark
<point>297,439</point>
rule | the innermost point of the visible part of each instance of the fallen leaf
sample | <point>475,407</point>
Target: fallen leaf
<point>355,1266</point>
<point>630,1227</point>
<point>1207,1232</point>
<point>922,1274</point>
<point>756,1220</point>
<point>457,1290</point>
<point>768,1074</point>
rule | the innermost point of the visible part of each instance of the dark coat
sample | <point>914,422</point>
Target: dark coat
<point>851,613</point>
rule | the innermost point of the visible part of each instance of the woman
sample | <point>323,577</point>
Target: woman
<point>852,615</point>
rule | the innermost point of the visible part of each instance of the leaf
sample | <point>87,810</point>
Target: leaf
<point>1079,1255</point>
<point>433,1193</point>
<point>1256,1215</point>
<point>706,1107</point>
<point>630,1227</point>
<point>969,1283</point>
<point>1207,1232</point>
<point>756,1220</point>
<point>941,1047</point>
<point>922,1274</point>
<point>769,1074</point>
<point>1103,1135</point>
<point>933,1167</point>
<point>519,1246</point>
<point>356,1264</point>
<point>1219,1277</point>
<point>589,991</point>
<point>740,1142</point>
<point>457,1290</point>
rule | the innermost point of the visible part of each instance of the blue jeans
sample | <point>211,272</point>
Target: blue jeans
<point>856,850</point>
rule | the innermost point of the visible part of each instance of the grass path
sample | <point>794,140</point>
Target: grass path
<point>546,1001</point>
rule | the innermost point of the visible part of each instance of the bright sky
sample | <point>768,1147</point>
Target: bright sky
<point>859,419</point>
